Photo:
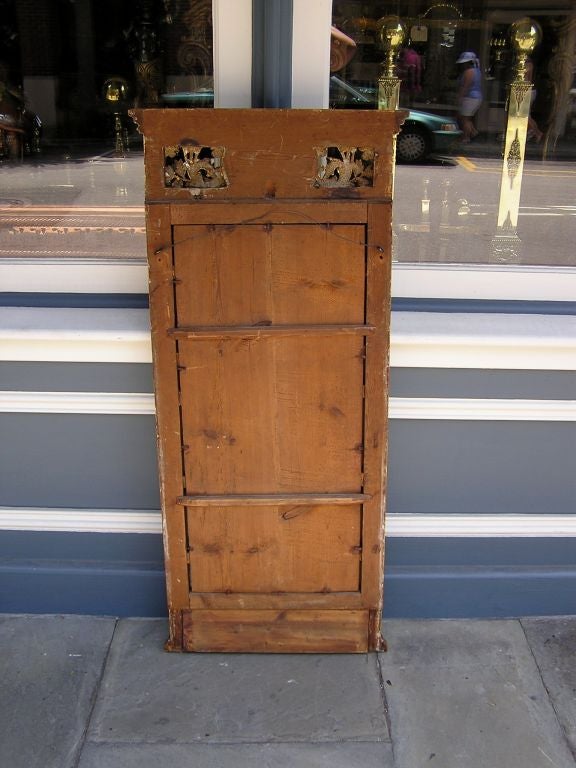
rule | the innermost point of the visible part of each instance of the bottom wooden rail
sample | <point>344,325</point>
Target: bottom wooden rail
<point>274,631</point>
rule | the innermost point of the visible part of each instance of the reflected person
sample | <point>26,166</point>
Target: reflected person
<point>469,93</point>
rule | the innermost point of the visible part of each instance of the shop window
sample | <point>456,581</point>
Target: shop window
<point>453,173</point>
<point>70,155</point>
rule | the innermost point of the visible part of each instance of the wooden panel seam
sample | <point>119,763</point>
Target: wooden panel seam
<point>273,499</point>
<point>253,331</point>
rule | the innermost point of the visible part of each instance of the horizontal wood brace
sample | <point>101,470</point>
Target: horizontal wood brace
<point>278,600</point>
<point>257,211</point>
<point>257,331</point>
<point>273,499</point>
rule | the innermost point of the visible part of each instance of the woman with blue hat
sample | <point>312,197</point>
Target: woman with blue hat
<point>469,93</point>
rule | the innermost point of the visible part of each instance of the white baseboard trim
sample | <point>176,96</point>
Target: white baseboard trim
<point>74,275</point>
<point>469,409</point>
<point>425,408</point>
<point>418,339</point>
<point>397,525</point>
<point>483,281</point>
<point>125,403</point>
<point>91,274</point>
<point>35,334</point>
<point>482,526</point>
<point>80,520</point>
<point>483,341</point>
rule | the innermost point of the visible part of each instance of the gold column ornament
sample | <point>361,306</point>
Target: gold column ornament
<point>392,34</point>
<point>116,92</point>
<point>525,35</point>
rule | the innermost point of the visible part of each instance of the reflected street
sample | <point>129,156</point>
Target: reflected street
<point>444,211</point>
<point>447,211</point>
<point>86,208</point>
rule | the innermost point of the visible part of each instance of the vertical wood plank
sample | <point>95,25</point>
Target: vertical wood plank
<point>164,349</point>
<point>275,549</point>
<point>269,274</point>
<point>273,415</point>
<point>379,267</point>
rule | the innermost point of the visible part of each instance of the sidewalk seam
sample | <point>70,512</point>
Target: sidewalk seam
<point>82,740</point>
<point>551,701</point>
<point>385,705</point>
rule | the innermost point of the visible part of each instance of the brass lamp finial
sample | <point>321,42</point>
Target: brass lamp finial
<point>525,34</point>
<point>392,34</point>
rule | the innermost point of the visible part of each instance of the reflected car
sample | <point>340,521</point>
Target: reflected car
<point>422,134</point>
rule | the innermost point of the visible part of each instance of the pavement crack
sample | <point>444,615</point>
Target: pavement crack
<point>384,700</point>
<point>94,699</point>
<point>549,696</point>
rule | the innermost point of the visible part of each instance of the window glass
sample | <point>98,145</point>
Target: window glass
<point>72,176</point>
<point>463,194</point>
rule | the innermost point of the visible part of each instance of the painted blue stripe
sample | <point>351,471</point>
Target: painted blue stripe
<point>445,593</point>
<point>75,300</point>
<point>126,550</point>
<point>88,589</point>
<point>503,552</point>
<point>140,301</point>
<point>485,306</point>
<point>408,593</point>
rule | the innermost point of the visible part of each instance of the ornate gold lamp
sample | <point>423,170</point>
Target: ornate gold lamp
<point>525,34</point>
<point>116,91</point>
<point>392,34</point>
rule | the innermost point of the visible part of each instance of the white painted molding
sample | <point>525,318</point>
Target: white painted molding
<point>35,334</point>
<point>471,409</point>
<point>80,520</point>
<point>397,525</point>
<point>416,281</point>
<point>130,403</point>
<point>426,408</point>
<point>39,275</point>
<point>483,281</point>
<point>482,526</point>
<point>311,22</point>
<point>483,341</point>
<point>232,37</point>
<point>418,339</point>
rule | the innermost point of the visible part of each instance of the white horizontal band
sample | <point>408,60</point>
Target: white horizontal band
<point>483,341</point>
<point>418,339</point>
<point>483,281</point>
<point>139,403</point>
<point>483,526</point>
<point>416,281</point>
<point>80,520</point>
<point>34,334</point>
<point>397,525</point>
<point>470,409</point>
<point>74,275</point>
<point>129,403</point>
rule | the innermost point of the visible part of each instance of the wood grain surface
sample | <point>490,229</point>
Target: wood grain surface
<point>270,304</point>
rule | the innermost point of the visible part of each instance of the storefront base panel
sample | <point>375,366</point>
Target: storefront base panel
<point>478,593</point>
<point>122,575</point>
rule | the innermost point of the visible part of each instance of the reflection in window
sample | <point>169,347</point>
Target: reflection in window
<point>70,155</point>
<point>448,183</point>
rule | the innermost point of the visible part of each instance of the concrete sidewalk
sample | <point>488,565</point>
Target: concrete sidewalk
<point>101,693</point>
